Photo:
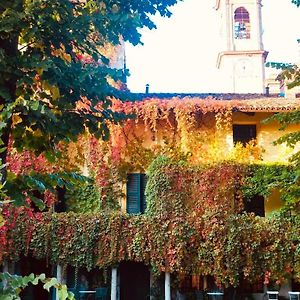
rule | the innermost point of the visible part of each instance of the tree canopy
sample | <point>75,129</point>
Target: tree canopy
<point>43,75</point>
<point>290,74</point>
<point>56,75</point>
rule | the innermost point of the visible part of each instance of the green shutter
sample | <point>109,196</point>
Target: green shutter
<point>143,188</point>
<point>133,205</point>
<point>136,200</point>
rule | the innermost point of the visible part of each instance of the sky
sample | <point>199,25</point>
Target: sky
<point>180,55</point>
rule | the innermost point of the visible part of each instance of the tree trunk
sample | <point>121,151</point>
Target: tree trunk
<point>8,80</point>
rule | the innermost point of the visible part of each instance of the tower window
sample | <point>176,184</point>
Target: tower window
<point>241,23</point>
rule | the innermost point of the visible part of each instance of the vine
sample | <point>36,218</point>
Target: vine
<point>193,225</point>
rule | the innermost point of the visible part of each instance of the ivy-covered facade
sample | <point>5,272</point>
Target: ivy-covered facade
<point>187,192</point>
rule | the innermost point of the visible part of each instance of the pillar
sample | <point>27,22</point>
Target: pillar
<point>113,284</point>
<point>167,286</point>
<point>59,278</point>
<point>151,284</point>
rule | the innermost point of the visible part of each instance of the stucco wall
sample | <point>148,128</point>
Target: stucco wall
<point>267,133</point>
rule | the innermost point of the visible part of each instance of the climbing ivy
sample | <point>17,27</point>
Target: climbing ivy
<point>194,224</point>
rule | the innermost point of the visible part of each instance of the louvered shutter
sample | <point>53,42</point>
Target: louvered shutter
<point>143,188</point>
<point>133,193</point>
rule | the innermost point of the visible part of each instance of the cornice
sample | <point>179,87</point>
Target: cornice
<point>239,53</point>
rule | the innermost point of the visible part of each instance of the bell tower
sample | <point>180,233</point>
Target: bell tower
<point>242,57</point>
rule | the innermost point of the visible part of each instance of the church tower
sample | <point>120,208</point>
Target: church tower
<point>242,55</point>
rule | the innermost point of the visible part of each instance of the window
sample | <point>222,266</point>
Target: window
<point>241,24</point>
<point>60,205</point>
<point>255,205</point>
<point>244,133</point>
<point>135,196</point>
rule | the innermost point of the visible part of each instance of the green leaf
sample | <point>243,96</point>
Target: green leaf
<point>35,105</point>
<point>50,283</point>
<point>63,293</point>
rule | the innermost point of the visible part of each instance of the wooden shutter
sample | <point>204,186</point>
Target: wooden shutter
<point>133,189</point>
<point>135,192</point>
<point>143,188</point>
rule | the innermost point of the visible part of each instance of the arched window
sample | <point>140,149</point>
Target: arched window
<point>241,23</point>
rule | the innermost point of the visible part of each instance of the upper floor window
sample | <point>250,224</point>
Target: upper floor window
<point>244,133</point>
<point>135,193</point>
<point>255,205</point>
<point>241,23</point>
<point>60,205</point>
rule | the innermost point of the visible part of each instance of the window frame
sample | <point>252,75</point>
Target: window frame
<point>242,24</point>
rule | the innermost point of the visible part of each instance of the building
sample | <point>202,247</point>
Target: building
<point>171,233</point>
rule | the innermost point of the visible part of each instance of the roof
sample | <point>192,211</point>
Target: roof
<point>237,102</point>
<point>268,104</point>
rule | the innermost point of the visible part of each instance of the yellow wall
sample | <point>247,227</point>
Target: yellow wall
<point>266,135</point>
<point>223,139</point>
<point>273,203</point>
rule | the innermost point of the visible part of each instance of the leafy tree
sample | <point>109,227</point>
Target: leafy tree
<point>290,183</point>
<point>55,73</point>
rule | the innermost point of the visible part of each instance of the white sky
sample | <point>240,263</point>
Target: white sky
<point>180,56</point>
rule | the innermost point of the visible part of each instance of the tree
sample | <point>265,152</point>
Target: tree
<point>55,72</point>
<point>291,191</point>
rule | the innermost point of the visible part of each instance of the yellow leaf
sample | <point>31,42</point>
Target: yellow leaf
<point>40,71</point>
<point>29,129</point>
<point>46,85</point>
<point>1,220</point>
<point>16,119</point>
<point>37,133</point>
<point>55,92</point>
<point>67,57</point>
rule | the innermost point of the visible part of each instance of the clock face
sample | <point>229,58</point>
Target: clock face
<point>244,67</point>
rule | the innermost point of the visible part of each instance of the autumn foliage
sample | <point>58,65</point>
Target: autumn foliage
<point>194,223</point>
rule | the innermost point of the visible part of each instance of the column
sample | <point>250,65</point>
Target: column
<point>151,284</point>
<point>113,284</point>
<point>59,278</point>
<point>167,286</point>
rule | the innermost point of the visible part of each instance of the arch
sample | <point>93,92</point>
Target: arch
<point>241,23</point>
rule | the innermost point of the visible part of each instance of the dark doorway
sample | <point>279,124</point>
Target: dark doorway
<point>134,281</point>
<point>28,265</point>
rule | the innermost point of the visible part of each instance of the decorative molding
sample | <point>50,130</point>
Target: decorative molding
<point>239,53</point>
